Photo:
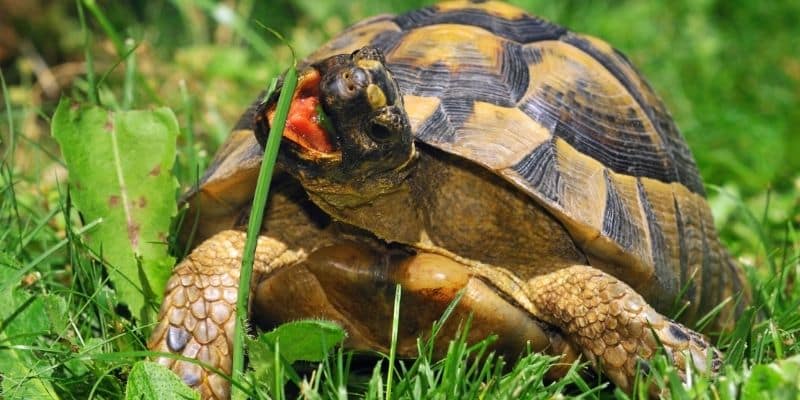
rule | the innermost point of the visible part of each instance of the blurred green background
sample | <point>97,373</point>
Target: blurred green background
<point>728,70</point>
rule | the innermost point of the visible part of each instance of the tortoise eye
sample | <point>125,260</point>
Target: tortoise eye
<point>379,133</point>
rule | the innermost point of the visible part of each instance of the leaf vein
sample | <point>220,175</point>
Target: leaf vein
<point>133,232</point>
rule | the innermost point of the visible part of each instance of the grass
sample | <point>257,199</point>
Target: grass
<point>728,71</point>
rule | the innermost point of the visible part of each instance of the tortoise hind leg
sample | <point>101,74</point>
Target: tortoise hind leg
<point>613,325</point>
<point>197,316</point>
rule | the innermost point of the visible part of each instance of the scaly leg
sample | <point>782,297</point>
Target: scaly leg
<point>613,325</point>
<point>197,317</point>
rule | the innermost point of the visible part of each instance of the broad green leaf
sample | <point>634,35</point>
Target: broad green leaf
<point>306,340</point>
<point>152,381</point>
<point>262,362</point>
<point>23,318</point>
<point>120,166</point>
<point>778,380</point>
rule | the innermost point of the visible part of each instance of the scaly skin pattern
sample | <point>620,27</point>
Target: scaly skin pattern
<point>613,325</point>
<point>197,316</point>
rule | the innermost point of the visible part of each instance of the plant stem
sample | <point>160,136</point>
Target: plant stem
<point>393,348</point>
<point>254,224</point>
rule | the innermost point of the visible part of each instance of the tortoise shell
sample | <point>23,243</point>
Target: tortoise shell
<point>562,116</point>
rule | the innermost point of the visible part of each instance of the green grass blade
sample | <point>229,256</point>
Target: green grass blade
<point>43,256</point>
<point>87,44</point>
<point>128,92</point>
<point>393,349</point>
<point>106,25</point>
<point>224,15</point>
<point>256,215</point>
<point>11,147</point>
<point>188,132</point>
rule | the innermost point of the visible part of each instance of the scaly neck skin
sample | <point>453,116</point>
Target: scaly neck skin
<point>384,207</point>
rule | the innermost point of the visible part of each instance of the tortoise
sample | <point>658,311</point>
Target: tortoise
<point>472,148</point>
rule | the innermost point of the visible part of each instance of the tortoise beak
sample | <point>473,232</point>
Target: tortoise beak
<point>307,133</point>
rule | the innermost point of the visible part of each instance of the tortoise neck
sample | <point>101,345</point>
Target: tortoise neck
<point>390,216</point>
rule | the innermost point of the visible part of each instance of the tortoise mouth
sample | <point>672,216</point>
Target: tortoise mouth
<point>308,130</point>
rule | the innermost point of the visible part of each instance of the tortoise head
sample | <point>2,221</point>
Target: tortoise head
<point>361,145</point>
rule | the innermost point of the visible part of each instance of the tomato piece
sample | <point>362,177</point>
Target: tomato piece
<point>304,123</point>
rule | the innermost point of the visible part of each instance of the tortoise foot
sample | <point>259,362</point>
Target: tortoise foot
<point>197,317</point>
<point>614,326</point>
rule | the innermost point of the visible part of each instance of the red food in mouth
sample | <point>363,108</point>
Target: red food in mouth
<point>303,122</point>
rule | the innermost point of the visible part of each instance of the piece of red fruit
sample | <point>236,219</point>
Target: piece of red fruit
<point>303,122</point>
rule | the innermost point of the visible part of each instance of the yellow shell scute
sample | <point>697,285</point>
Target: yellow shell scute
<point>423,47</point>
<point>420,109</point>
<point>512,137</point>
<point>497,8</point>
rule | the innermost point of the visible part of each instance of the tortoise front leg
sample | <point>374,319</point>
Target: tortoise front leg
<point>613,325</point>
<point>197,317</point>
